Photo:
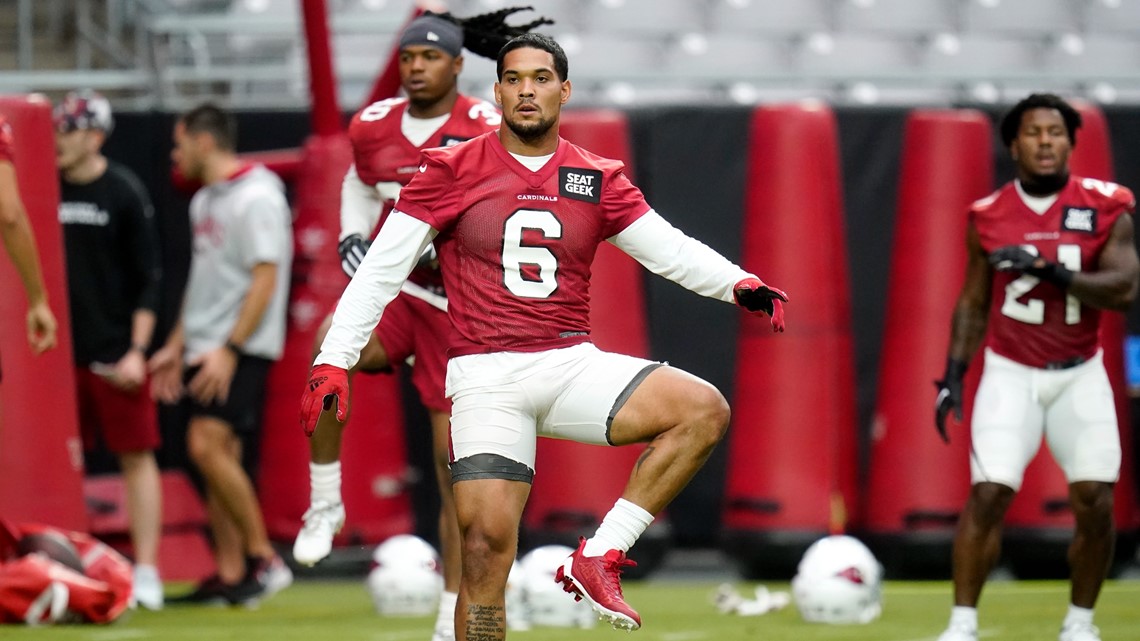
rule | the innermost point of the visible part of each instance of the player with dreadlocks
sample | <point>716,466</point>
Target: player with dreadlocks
<point>387,138</point>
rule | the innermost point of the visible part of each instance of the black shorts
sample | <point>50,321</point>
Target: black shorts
<point>243,409</point>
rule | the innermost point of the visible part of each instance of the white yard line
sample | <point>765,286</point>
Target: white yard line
<point>397,636</point>
<point>117,635</point>
<point>684,635</point>
<point>983,633</point>
<point>902,588</point>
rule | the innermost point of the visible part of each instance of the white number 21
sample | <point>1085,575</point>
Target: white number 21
<point>1032,311</point>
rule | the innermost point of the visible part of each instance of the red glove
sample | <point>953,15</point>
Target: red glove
<point>752,294</point>
<point>327,387</point>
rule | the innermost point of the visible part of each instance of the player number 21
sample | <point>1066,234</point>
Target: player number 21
<point>517,257</point>
<point>1032,311</point>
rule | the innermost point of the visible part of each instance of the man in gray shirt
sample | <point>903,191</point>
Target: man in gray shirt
<point>231,330</point>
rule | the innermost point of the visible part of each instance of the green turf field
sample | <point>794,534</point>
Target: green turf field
<point>672,611</point>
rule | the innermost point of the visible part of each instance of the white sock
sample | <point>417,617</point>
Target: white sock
<point>446,609</point>
<point>619,530</point>
<point>324,482</point>
<point>146,571</point>
<point>964,616</point>
<point>1078,615</point>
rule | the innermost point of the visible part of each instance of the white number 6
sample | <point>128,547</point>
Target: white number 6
<point>517,255</point>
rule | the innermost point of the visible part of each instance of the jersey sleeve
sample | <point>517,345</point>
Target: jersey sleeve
<point>384,269</point>
<point>144,243</point>
<point>1127,199</point>
<point>622,203</point>
<point>431,195</point>
<point>359,206</point>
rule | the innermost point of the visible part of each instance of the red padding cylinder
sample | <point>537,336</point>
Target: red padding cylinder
<point>918,484</point>
<point>558,511</point>
<point>373,453</point>
<point>791,460</point>
<point>41,456</point>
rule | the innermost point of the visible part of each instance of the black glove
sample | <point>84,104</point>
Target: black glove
<point>428,259</point>
<point>949,395</point>
<point>1015,258</point>
<point>352,250</point>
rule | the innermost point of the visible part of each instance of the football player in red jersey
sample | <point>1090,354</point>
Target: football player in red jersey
<point>516,217</point>
<point>1046,253</point>
<point>387,139</point>
<point>20,242</point>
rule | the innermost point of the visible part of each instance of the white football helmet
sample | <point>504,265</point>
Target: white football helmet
<point>838,581</point>
<point>547,603</point>
<point>406,577</point>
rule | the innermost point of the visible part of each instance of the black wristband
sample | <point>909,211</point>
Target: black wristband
<point>955,369</point>
<point>233,347</point>
<point>137,347</point>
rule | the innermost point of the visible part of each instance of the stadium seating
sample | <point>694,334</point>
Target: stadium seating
<point>212,45</point>
<point>1020,16</point>
<point>844,55</point>
<point>720,58</point>
<point>898,17</point>
<point>1112,17</point>
<point>642,17</point>
<point>1091,58</point>
<point>769,17</point>
<point>973,57</point>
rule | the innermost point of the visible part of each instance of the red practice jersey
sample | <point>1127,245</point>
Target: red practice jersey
<point>1034,322</point>
<point>5,140</point>
<point>382,154</point>
<point>515,245</point>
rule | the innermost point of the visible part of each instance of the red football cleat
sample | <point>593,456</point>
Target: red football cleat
<point>597,579</point>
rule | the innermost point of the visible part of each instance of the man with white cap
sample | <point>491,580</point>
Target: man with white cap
<point>113,272</point>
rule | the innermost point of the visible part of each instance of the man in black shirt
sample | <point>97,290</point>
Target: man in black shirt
<point>111,248</point>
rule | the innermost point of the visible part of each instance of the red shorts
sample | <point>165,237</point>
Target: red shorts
<point>126,421</point>
<point>413,327</point>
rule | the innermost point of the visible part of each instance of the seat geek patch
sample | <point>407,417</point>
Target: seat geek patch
<point>1081,219</point>
<point>580,184</point>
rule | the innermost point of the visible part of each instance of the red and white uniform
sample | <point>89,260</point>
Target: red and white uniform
<point>384,160</point>
<point>5,140</point>
<point>1044,374</point>
<point>37,590</point>
<point>1036,323</point>
<point>516,245</point>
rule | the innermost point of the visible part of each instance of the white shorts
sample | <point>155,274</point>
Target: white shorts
<point>502,401</point>
<point>1073,408</point>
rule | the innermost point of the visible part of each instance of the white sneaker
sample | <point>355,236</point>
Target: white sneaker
<point>322,522</point>
<point>444,631</point>
<point>147,587</point>
<point>959,632</point>
<point>264,577</point>
<point>1079,632</point>
<point>275,576</point>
